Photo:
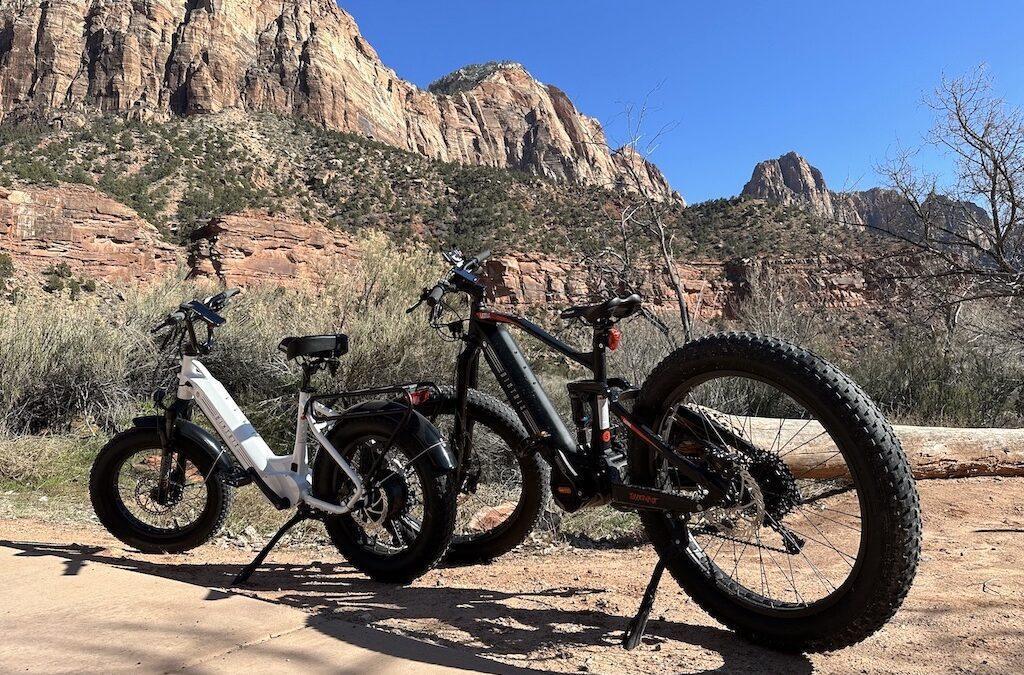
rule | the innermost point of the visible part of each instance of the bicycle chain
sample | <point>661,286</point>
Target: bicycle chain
<point>738,540</point>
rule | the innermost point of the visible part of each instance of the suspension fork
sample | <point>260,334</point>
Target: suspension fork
<point>171,463</point>
<point>467,376</point>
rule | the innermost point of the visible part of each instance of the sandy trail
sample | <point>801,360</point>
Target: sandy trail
<point>564,610</point>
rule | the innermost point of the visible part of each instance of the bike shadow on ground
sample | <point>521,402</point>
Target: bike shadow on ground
<point>488,623</point>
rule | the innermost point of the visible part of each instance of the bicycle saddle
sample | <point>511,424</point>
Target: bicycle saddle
<point>315,346</point>
<point>612,309</point>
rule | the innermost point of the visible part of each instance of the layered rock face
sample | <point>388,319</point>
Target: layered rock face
<point>294,57</point>
<point>255,248</point>
<point>97,237</point>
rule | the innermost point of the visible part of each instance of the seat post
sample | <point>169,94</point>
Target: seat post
<point>309,369</point>
<point>600,351</point>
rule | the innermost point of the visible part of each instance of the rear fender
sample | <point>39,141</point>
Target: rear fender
<point>417,427</point>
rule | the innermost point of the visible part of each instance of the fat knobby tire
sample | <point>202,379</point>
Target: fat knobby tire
<point>114,516</point>
<point>891,522</point>
<point>438,505</point>
<point>500,419</point>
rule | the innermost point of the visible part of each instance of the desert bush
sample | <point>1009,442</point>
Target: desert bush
<point>917,372</point>
<point>774,306</point>
<point>62,361</point>
<point>928,377</point>
<point>33,462</point>
<point>65,364</point>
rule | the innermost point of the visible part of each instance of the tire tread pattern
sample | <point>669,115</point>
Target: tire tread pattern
<point>901,512</point>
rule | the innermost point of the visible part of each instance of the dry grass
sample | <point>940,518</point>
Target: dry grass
<point>72,372</point>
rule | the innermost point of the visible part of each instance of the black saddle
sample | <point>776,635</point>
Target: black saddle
<point>609,310</point>
<point>315,346</point>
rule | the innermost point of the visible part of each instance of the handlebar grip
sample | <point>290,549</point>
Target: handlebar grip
<point>221,299</point>
<point>435,295</point>
<point>172,318</point>
<point>477,261</point>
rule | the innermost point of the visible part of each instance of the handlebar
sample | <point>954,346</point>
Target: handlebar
<point>205,309</point>
<point>432,296</point>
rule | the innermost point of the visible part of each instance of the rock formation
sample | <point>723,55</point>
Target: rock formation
<point>97,237</point>
<point>256,248</point>
<point>292,57</point>
<point>790,180</point>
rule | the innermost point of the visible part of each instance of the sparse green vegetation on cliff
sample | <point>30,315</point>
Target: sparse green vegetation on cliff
<point>180,173</point>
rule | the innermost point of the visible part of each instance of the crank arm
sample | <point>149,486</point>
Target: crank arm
<point>634,498</point>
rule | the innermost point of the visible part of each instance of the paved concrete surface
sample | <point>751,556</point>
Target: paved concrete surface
<point>60,614</point>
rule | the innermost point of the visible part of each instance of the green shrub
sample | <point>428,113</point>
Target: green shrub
<point>6,266</point>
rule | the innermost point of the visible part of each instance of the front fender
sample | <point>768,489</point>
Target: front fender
<point>194,433</point>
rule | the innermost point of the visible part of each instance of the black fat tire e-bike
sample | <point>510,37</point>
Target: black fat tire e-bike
<point>769,484</point>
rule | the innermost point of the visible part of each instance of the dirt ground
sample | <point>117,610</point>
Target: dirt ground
<point>563,609</point>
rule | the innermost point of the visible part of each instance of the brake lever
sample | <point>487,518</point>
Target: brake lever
<point>418,303</point>
<point>435,313</point>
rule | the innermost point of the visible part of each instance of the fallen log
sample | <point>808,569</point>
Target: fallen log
<point>934,452</point>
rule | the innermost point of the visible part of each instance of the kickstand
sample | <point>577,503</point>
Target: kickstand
<point>303,513</point>
<point>637,626</point>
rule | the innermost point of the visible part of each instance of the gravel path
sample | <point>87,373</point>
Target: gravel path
<point>563,609</point>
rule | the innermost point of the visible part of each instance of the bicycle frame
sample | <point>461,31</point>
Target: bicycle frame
<point>285,480</point>
<point>576,461</point>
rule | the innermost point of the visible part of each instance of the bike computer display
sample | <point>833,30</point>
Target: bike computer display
<point>206,314</point>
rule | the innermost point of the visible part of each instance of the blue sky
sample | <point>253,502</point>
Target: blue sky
<point>839,82</point>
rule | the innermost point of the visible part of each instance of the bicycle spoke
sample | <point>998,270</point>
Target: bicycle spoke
<point>744,420</point>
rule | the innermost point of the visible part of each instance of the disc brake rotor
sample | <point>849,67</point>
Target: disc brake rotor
<point>384,501</point>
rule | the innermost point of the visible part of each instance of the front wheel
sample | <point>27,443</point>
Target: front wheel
<point>505,488</point>
<point>819,543</point>
<point>124,488</point>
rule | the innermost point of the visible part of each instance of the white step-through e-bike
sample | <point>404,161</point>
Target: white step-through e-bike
<point>380,479</point>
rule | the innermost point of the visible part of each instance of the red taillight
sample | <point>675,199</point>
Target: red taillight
<point>614,339</point>
<point>419,396</point>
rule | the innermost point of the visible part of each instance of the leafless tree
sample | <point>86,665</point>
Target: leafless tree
<point>962,242</point>
<point>642,227</point>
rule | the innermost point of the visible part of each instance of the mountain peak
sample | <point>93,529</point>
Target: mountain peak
<point>790,179</point>
<point>302,58</point>
<point>473,75</point>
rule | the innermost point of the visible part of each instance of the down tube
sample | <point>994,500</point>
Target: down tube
<point>521,387</point>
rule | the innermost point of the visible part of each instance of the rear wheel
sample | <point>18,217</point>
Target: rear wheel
<point>821,542</point>
<point>124,488</point>
<point>406,522</point>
